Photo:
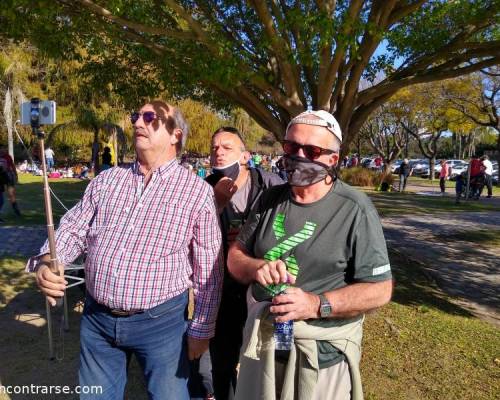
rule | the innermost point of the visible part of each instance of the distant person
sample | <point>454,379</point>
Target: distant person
<point>476,176</point>
<point>487,173</point>
<point>3,182</point>
<point>49,158</point>
<point>345,161</point>
<point>23,167</point>
<point>107,161</point>
<point>257,160</point>
<point>405,171</point>
<point>274,167</point>
<point>443,175</point>
<point>10,179</point>
<point>354,161</point>
<point>83,172</point>
<point>459,186</point>
<point>201,172</point>
<point>378,163</point>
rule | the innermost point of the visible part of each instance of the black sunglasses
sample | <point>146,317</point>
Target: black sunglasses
<point>147,116</point>
<point>311,151</point>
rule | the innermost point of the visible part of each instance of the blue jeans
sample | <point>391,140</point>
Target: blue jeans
<point>156,337</point>
<point>50,163</point>
<point>402,182</point>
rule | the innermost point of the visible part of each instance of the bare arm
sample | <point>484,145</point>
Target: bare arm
<point>347,302</point>
<point>247,269</point>
<point>296,304</point>
<point>240,265</point>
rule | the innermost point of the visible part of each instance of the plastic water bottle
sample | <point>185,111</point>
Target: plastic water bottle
<point>283,332</point>
<point>283,335</point>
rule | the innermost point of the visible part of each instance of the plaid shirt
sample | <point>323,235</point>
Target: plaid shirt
<point>145,246</point>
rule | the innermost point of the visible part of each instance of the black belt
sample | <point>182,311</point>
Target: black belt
<point>122,313</point>
<point>116,312</point>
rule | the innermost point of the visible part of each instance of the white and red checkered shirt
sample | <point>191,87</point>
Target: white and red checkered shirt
<point>147,246</point>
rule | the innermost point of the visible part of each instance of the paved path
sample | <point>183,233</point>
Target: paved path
<point>23,241</point>
<point>461,268</point>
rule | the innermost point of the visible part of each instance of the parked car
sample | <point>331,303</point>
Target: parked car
<point>494,177</point>
<point>395,166</point>
<point>420,167</point>
<point>367,162</point>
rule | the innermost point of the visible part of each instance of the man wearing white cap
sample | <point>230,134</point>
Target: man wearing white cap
<point>321,241</point>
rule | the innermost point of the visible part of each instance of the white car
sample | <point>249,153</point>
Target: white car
<point>420,167</point>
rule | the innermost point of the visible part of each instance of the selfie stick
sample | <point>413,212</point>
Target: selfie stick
<point>53,265</point>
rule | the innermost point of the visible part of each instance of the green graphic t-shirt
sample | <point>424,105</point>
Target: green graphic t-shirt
<point>327,244</point>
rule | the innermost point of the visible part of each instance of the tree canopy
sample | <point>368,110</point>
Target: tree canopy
<point>272,58</point>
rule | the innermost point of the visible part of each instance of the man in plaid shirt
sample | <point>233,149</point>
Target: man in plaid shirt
<point>151,231</point>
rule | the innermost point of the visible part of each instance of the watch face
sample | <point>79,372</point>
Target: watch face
<point>325,308</point>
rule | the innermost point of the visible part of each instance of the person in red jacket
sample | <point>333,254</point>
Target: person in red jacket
<point>476,176</point>
<point>9,171</point>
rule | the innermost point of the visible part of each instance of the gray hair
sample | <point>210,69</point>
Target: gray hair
<point>179,122</point>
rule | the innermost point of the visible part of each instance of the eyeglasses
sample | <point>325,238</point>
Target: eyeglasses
<point>147,116</point>
<point>311,151</point>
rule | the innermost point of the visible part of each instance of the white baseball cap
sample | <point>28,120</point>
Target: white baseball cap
<point>325,119</point>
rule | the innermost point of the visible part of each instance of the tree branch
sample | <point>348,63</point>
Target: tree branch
<point>430,75</point>
<point>125,23</point>
<point>290,80</point>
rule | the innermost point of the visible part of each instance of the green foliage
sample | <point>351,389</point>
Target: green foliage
<point>273,59</point>
<point>203,122</point>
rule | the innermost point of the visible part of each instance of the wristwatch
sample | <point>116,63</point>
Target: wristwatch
<point>325,308</point>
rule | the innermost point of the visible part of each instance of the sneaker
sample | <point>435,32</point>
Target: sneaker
<point>210,397</point>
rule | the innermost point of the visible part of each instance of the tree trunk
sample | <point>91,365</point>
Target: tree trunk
<point>432,167</point>
<point>7,113</point>
<point>95,152</point>
<point>498,156</point>
<point>454,144</point>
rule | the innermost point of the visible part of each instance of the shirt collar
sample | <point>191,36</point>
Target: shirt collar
<point>163,170</point>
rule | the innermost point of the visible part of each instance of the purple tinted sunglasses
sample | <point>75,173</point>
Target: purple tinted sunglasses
<point>147,116</point>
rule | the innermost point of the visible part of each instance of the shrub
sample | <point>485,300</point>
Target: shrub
<point>359,176</point>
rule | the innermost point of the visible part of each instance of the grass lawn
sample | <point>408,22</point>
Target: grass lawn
<point>13,279</point>
<point>30,199</point>
<point>420,346</point>
<point>393,203</point>
<point>482,237</point>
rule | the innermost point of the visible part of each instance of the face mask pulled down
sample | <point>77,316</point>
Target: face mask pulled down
<point>229,171</point>
<point>301,171</point>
